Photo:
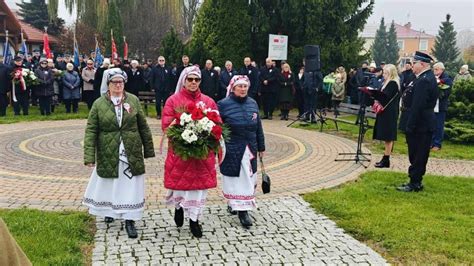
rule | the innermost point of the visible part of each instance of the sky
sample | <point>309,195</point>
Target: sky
<point>424,15</point>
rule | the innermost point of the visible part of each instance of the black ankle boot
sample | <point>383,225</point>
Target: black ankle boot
<point>179,217</point>
<point>131,230</point>
<point>245,219</point>
<point>196,228</point>
<point>108,220</point>
<point>384,163</point>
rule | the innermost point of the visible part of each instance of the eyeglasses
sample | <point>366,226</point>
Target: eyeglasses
<point>193,79</point>
<point>90,64</point>
<point>43,63</point>
<point>117,82</point>
<point>161,60</point>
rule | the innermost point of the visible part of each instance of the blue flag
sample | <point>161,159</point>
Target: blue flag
<point>24,48</point>
<point>7,54</point>
<point>76,55</point>
<point>98,57</point>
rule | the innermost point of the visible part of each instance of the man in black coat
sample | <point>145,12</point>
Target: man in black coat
<point>252,73</point>
<point>407,76</point>
<point>421,120</point>
<point>136,81</point>
<point>21,94</point>
<point>268,88</point>
<point>225,77</point>
<point>160,81</point>
<point>185,61</point>
<point>5,86</point>
<point>210,81</point>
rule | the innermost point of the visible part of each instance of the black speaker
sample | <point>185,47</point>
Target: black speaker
<point>311,58</point>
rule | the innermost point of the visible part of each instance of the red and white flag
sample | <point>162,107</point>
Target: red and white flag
<point>46,49</point>
<point>114,49</point>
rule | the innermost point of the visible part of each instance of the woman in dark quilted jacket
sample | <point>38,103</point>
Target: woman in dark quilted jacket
<point>239,167</point>
<point>116,141</point>
<point>188,180</point>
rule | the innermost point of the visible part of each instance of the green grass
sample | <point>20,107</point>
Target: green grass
<point>450,150</point>
<point>435,226</point>
<point>59,114</point>
<point>52,238</point>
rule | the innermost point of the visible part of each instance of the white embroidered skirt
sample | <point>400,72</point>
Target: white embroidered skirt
<point>192,201</point>
<point>240,191</point>
<point>119,198</point>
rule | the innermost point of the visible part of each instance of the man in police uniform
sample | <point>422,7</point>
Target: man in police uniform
<point>421,121</point>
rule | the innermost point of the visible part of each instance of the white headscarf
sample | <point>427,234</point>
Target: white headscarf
<point>191,70</point>
<point>237,80</point>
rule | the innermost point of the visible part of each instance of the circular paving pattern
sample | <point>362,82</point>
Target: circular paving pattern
<point>41,164</point>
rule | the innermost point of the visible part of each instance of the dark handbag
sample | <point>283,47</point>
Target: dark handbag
<point>266,183</point>
<point>378,108</point>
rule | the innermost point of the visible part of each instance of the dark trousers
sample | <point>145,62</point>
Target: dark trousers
<point>335,105</point>
<point>438,134</point>
<point>88,97</point>
<point>269,102</point>
<point>22,103</point>
<point>418,153</point>
<point>300,102</point>
<point>160,97</point>
<point>73,103</point>
<point>45,104</point>
<point>3,104</point>
<point>34,98</point>
<point>310,101</point>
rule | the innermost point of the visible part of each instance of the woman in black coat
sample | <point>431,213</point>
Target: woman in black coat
<point>287,90</point>
<point>385,127</point>
<point>45,90</point>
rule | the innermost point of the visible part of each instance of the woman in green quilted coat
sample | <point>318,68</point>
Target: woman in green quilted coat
<point>117,139</point>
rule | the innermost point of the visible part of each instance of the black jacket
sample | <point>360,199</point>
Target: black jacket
<point>420,107</point>
<point>210,83</point>
<point>407,77</point>
<point>136,81</point>
<point>271,76</point>
<point>444,93</point>
<point>46,78</point>
<point>385,127</point>
<point>160,78</point>
<point>224,80</point>
<point>5,78</point>
<point>252,73</point>
<point>242,116</point>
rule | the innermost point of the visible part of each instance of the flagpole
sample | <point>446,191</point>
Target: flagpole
<point>5,48</point>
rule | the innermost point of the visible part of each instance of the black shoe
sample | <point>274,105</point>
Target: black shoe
<point>410,188</point>
<point>229,210</point>
<point>196,228</point>
<point>179,217</point>
<point>384,163</point>
<point>245,219</point>
<point>108,220</point>
<point>131,230</point>
<point>265,117</point>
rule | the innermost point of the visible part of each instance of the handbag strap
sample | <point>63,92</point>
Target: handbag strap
<point>391,100</point>
<point>263,166</point>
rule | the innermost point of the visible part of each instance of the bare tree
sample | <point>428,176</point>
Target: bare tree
<point>190,9</point>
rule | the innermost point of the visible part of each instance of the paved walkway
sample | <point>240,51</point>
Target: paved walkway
<point>286,231</point>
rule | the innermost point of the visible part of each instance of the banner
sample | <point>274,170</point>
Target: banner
<point>7,55</point>
<point>125,48</point>
<point>278,47</point>
<point>98,55</point>
<point>46,49</point>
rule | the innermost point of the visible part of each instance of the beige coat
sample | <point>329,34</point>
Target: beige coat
<point>88,78</point>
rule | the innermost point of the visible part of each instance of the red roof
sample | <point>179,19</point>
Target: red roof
<point>11,18</point>
<point>33,34</point>
<point>403,32</point>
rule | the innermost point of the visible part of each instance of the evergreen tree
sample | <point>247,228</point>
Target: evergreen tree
<point>392,45</point>
<point>36,14</point>
<point>222,29</point>
<point>380,45</point>
<point>172,47</point>
<point>445,49</point>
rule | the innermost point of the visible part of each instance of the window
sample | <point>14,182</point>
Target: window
<point>423,45</point>
<point>401,44</point>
